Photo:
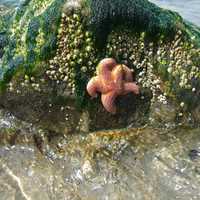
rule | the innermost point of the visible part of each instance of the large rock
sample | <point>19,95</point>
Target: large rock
<point>55,45</point>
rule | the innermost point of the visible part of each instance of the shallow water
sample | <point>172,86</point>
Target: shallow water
<point>137,164</point>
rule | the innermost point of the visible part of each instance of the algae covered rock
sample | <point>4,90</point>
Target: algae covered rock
<point>55,45</point>
<point>32,37</point>
<point>5,20</point>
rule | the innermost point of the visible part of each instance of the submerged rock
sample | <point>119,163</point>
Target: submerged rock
<point>136,164</point>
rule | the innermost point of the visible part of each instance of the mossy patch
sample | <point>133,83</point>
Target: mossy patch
<point>136,14</point>
<point>32,37</point>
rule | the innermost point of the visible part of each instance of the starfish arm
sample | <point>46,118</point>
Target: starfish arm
<point>128,76</point>
<point>131,87</point>
<point>93,86</point>
<point>104,68</point>
<point>117,74</point>
<point>108,101</point>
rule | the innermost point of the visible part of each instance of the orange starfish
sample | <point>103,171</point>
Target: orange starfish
<point>111,81</point>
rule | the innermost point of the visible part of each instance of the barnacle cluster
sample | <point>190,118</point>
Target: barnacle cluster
<point>26,82</point>
<point>181,60</point>
<point>74,62</point>
<point>40,6</point>
<point>163,67</point>
<point>75,58</point>
<point>19,33</point>
<point>131,49</point>
<point>178,64</point>
<point>39,40</point>
<point>32,41</point>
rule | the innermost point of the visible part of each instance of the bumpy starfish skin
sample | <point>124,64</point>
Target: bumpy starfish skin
<point>112,80</point>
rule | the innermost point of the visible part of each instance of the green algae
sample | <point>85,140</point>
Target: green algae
<point>139,15</point>
<point>27,49</point>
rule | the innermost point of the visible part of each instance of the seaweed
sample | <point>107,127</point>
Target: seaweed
<point>135,14</point>
<point>22,36</point>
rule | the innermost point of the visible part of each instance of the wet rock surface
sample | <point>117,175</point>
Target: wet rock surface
<point>59,113</point>
<point>137,163</point>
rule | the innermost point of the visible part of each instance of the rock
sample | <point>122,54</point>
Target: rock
<point>163,114</point>
<point>196,114</point>
<point>13,130</point>
<point>53,51</point>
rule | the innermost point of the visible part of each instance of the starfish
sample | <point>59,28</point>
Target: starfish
<point>112,80</point>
